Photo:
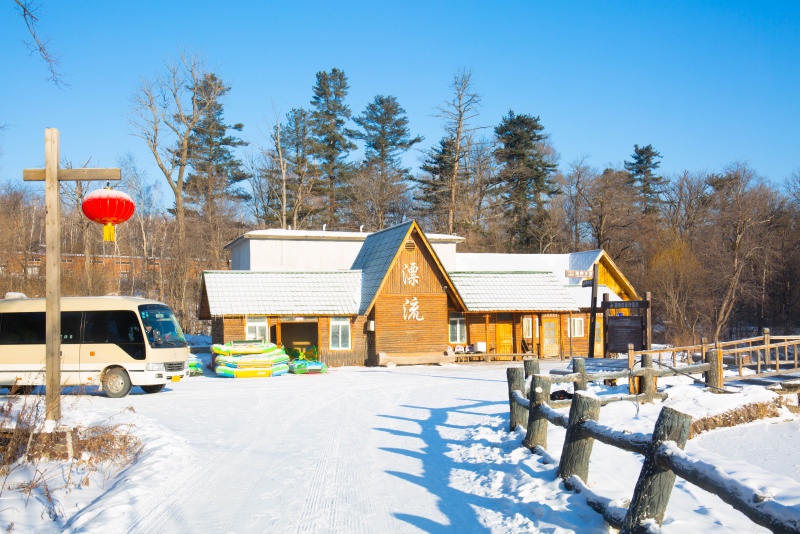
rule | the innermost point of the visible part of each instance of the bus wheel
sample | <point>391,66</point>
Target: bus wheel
<point>152,389</point>
<point>116,383</point>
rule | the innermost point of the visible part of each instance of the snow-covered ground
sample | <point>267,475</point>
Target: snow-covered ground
<point>372,450</point>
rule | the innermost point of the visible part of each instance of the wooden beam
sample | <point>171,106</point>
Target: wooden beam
<point>38,175</point>
<point>53,276</point>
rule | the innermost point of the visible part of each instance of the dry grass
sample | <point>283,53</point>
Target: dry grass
<point>738,416</point>
<point>60,460</point>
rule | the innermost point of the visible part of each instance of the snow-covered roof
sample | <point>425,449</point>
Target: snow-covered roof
<point>374,259</point>
<point>283,293</point>
<point>313,235</point>
<point>557,264</point>
<point>583,295</point>
<point>512,291</point>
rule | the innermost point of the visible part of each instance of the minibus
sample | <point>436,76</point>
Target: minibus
<point>111,342</point>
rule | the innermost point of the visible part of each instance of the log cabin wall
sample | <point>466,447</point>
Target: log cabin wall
<point>359,343</point>
<point>233,328</point>
<point>217,330</point>
<point>411,310</point>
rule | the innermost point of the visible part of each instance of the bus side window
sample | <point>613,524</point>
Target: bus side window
<point>70,327</point>
<point>95,328</point>
<point>22,328</point>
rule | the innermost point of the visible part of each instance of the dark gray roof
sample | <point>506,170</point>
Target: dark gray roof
<point>374,259</point>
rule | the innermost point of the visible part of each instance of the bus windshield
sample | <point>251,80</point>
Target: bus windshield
<point>161,327</point>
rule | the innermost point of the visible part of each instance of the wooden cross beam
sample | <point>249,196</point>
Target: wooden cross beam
<point>52,175</point>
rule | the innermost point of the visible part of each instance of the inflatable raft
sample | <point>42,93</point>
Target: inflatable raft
<point>252,360</point>
<point>244,347</point>
<point>255,372</point>
<point>303,367</point>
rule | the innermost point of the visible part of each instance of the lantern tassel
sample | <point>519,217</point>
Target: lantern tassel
<point>108,232</point>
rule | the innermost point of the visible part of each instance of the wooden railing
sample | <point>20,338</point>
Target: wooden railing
<point>664,458</point>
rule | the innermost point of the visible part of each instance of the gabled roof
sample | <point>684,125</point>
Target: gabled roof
<point>512,291</point>
<point>282,293</point>
<point>583,295</point>
<point>377,255</point>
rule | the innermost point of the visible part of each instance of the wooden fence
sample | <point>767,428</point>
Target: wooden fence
<point>664,458</point>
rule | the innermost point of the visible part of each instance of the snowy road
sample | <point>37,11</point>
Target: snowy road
<point>372,450</point>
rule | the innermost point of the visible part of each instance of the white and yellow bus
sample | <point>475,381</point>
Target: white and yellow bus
<point>111,342</point>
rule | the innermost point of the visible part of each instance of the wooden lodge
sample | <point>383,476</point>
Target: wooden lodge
<point>401,296</point>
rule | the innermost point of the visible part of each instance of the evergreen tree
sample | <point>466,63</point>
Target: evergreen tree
<point>527,178</point>
<point>642,176</point>
<point>432,195</point>
<point>299,147</point>
<point>216,172</point>
<point>328,121</point>
<point>385,132</point>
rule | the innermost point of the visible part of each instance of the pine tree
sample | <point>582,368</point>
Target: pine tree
<point>303,172</point>
<point>216,172</point>
<point>642,176</point>
<point>328,121</point>
<point>432,195</point>
<point>527,177</point>
<point>385,132</point>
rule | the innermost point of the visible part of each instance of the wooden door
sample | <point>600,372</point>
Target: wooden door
<point>549,337</point>
<point>505,335</point>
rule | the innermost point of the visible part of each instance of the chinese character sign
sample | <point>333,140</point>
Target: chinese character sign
<point>410,276</point>
<point>411,310</point>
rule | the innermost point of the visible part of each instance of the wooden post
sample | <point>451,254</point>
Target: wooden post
<point>531,367</point>
<point>516,381</point>
<point>648,328</point>
<point>606,300</point>
<point>713,376</point>
<point>647,383</point>
<point>537,422</point>
<point>593,310</point>
<point>703,350</point>
<point>631,362</point>
<point>52,176</point>
<point>577,445</point>
<point>579,366</point>
<point>654,487</point>
<point>767,350</point>
<point>52,202</point>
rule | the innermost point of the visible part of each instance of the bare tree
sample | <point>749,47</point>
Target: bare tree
<point>609,210</point>
<point>39,44</point>
<point>457,112</point>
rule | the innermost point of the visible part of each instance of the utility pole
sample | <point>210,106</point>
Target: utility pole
<point>51,175</point>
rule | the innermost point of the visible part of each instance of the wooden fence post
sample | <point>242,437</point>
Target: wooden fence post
<point>714,374</point>
<point>631,362</point>
<point>767,350</point>
<point>516,381</point>
<point>648,381</point>
<point>537,422</point>
<point>577,445</point>
<point>531,367</point>
<point>579,366</point>
<point>654,487</point>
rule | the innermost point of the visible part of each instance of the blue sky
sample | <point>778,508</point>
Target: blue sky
<point>706,83</point>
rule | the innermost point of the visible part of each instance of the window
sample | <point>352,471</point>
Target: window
<point>340,333</point>
<point>458,328</point>
<point>120,328</point>
<point>527,327</point>
<point>575,327</point>
<point>257,328</point>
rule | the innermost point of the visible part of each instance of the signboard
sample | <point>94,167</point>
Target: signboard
<point>623,330</point>
<point>627,304</point>
<point>579,274</point>
<point>587,283</point>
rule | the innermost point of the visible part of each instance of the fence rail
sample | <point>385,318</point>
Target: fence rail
<point>664,458</point>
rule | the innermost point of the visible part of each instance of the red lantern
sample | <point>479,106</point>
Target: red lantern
<point>107,207</point>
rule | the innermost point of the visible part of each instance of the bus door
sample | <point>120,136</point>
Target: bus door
<point>70,348</point>
<point>111,337</point>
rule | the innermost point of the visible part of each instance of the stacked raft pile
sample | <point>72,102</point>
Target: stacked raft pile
<point>248,359</point>
<point>195,366</point>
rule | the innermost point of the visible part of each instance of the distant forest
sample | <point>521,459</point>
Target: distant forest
<point>718,250</point>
